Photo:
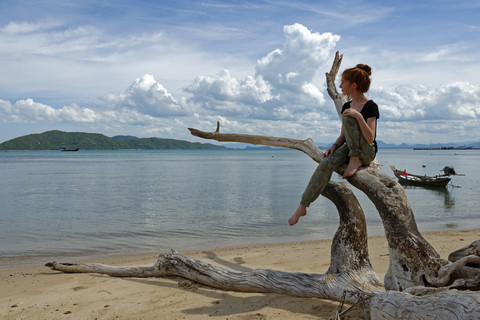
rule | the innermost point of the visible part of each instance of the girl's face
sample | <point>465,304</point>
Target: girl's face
<point>347,86</point>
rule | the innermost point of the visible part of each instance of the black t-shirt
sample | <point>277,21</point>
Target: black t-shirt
<point>370,109</point>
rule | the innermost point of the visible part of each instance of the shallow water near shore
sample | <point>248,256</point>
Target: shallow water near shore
<point>86,204</point>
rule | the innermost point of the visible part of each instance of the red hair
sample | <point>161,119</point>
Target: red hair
<point>360,74</point>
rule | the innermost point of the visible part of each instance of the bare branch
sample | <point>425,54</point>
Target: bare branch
<point>473,248</point>
<point>305,146</point>
<point>338,98</point>
<point>444,272</point>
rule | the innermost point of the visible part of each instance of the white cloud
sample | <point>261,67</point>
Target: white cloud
<point>227,95</point>
<point>282,97</point>
<point>147,96</point>
<point>51,59</point>
<point>51,38</point>
<point>282,85</point>
<point>302,53</point>
<point>451,52</point>
<point>33,112</point>
<point>425,132</point>
<point>18,28</point>
<point>146,108</point>
<point>454,101</point>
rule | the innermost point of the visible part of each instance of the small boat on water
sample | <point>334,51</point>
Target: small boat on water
<point>70,149</point>
<point>418,180</point>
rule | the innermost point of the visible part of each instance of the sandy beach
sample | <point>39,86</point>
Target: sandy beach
<point>39,293</point>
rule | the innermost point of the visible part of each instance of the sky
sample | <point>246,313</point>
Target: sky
<point>155,68</point>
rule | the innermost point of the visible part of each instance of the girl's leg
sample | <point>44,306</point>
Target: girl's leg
<point>319,180</point>
<point>361,153</point>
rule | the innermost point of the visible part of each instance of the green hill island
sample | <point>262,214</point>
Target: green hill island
<point>57,140</point>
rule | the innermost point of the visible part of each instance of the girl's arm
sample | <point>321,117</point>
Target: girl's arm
<point>340,140</point>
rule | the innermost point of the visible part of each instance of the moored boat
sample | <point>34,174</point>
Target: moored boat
<point>418,180</point>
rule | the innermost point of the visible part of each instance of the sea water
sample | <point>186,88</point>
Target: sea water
<point>82,205</point>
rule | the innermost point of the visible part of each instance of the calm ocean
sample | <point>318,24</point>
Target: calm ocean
<point>68,206</point>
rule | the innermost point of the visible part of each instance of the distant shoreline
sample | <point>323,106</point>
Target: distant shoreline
<point>56,140</point>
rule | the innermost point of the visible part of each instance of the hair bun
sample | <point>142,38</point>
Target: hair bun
<point>366,68</point>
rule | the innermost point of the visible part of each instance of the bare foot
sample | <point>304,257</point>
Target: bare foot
<point>300,212</point>
<point>352,167</point>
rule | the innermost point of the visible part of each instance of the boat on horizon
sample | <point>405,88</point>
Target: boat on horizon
<point>69,149</point>
<point>456,148</point>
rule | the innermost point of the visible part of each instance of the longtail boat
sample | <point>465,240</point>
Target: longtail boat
<point>418,180</point>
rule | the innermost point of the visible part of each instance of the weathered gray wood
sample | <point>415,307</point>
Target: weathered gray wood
<point>411,257</point>
<point>305,146</point>
<point>338,98</point>
<point>324,286</point>
<point>472,249</point>
<point>414,303</point>
<point>444,274</point>
<point>433,304</point>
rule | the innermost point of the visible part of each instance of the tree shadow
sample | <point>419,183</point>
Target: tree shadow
<point>238,265</point>
<point>229,303</point>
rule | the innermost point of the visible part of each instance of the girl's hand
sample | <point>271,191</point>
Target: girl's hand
<point>330,151</point>
<point>351,113</point>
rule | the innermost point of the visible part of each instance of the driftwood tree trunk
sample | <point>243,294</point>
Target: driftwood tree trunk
<point>420,285</point>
